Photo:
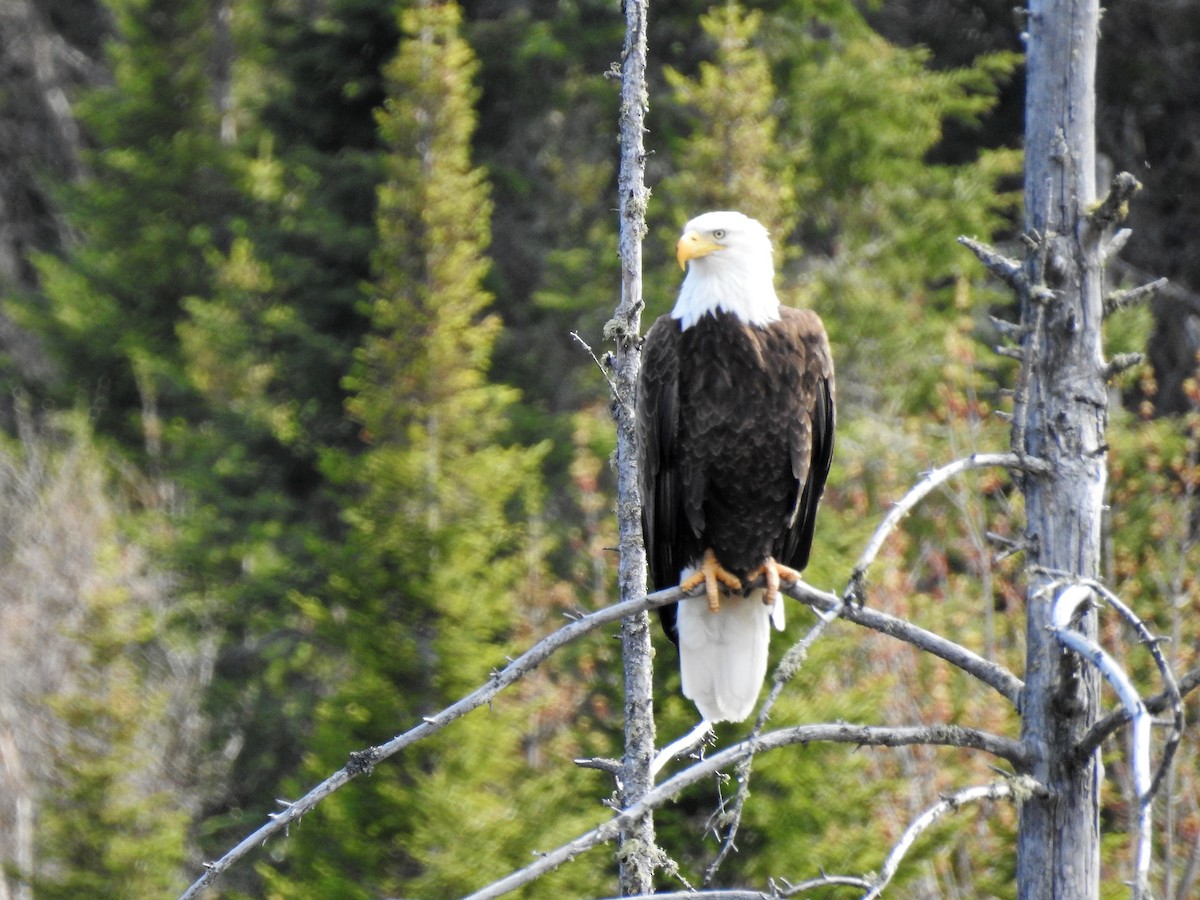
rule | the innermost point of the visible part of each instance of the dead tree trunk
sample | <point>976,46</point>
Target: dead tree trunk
<point>1061,417</point>
<point>637,850</point>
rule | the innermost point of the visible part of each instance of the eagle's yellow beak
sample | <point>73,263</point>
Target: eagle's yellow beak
<point>693,245</point>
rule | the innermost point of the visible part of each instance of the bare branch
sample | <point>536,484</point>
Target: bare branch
<point>1119,300</point>
<point>1075,597</point>
<point>1114,245</point>
<point>1170,685</point>
<point>612,385</point>
<point>1115,675</point>
<point>922,489</point>
<point>1008,330</point>
<point>364,760</point>
<point>774,892</point>
<point>1007,270</point>
<point>859,735</point>
<point>1010,788</point>
<point>991,674</point>
<point>690,742</point>
<point>600,764</point>
<point>1115,207</point>
<point>1140,744</point>
<point>1107,726</point>
<point>1121,363</point>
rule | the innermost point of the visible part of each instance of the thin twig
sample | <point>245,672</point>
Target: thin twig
<point>612,385</point>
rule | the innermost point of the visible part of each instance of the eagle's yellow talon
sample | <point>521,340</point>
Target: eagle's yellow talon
<point>710,573</point>
<point>772,574</point>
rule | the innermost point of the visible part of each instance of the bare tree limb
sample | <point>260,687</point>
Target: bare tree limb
<point>1006,269</point>
<point>363,761</point>
<point>1114,208</point>
<point>1170,685</point>
<point>775,891</point>
<point>1013,787</point>
<point>1119,300</point>
<point>1140,744</point>
<point>1122,363</point>
<point>690,742</point>
<point>612,385</point>
<point>992,674</point>
<point>860,735</point>
<point>1106,727</point>
<point>932,479</point>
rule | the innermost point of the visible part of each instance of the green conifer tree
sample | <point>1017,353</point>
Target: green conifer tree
<point>436,567</point>
<point>152,202</point>
<point>733,158</point>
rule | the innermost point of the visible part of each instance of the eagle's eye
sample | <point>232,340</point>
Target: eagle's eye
<point>719,234</point>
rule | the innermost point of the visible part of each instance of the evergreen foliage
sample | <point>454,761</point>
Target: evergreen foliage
<point>437,565</point>
<point>156,191</point>
<point>99,703</point>
<point>318,304</point>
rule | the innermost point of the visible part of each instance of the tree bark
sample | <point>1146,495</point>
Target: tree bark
<point>637,852</point>
<point>1061,418</point>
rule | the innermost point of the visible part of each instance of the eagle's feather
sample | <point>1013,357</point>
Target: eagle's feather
<point>735,433</point>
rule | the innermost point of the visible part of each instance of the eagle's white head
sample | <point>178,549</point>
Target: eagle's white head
<point>729,268</point>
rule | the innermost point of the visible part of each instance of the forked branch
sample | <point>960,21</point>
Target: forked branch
<point>858,735</point>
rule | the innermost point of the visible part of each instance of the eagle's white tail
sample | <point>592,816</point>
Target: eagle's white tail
<point>723,654</point>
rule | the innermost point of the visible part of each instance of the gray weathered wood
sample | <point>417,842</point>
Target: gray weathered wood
<point>1061,418</point>
<point>637,852</point>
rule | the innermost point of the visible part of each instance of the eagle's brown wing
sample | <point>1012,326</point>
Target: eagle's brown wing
<point>658,469</point>
<point>811,428</point>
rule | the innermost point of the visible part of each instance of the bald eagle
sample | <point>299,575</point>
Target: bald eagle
<point>735,422</point>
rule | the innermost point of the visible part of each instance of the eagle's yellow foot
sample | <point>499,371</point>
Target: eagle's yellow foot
<point>710,573</point>
<point>772,574</point>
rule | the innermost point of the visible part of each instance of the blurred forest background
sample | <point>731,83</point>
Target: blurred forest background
<point>296,445</point>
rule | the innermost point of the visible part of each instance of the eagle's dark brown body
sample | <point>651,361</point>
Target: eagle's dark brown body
<point>735,430</point>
